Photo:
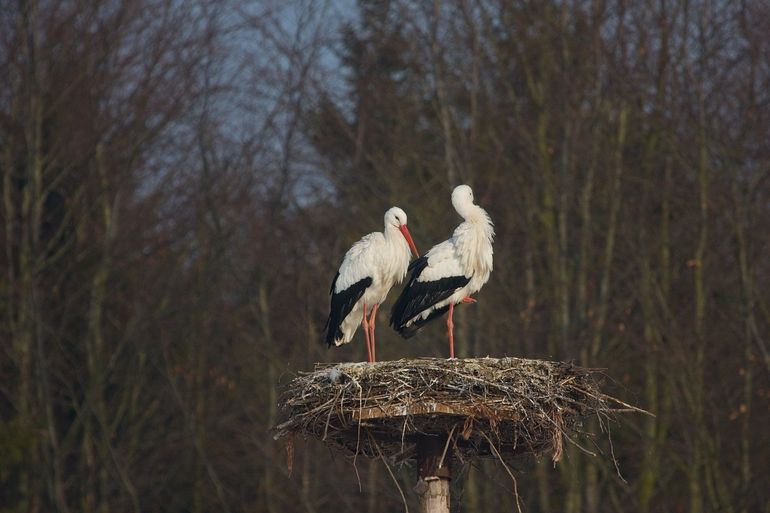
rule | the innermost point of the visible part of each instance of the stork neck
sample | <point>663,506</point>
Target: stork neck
<point>477,221</point>
<point>392,233</point>
<point>472,213</point>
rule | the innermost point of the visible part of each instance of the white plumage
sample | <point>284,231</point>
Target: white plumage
<point>369,270</point>
<point>450,272</point>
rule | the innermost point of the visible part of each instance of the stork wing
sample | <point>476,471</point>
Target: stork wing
<point>434,278</point>
<point>350,283</point>
<point>342,303</point>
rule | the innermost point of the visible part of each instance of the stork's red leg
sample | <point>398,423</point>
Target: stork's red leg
<point>468,300</point>
<point>372,318</point>
<point>450,327</point>
<point>365,325</point>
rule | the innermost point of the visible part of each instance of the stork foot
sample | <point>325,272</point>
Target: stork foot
<point>468,300</point>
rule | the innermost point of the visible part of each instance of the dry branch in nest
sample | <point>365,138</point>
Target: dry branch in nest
<point>488,407</point>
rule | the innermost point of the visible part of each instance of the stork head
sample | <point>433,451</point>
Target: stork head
<point>396,218</point>
<point>462,199</point>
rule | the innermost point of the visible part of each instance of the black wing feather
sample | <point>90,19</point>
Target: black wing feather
<point>341,304</point>
<point>418,296</point>
<point>412,329</point>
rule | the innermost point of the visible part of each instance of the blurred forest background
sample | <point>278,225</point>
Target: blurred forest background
<point>180,181</point>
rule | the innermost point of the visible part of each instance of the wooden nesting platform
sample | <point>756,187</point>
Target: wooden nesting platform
<point>486,407</point>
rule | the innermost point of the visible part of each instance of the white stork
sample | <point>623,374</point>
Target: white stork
<point>368,271</point>
<point>449,273</point>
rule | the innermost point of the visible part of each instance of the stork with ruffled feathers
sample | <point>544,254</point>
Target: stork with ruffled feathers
<point>449,273</point>
<point>368,271</point>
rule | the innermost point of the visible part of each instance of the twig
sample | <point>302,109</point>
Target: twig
<point>612,452</point>
<point>358,435</point>
<point>507,469</point>
<point>403,497</point>
<point>602,397</point>
<point>329,416</point>
<point>446,447</point>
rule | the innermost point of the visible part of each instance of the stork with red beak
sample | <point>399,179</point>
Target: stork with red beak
<point>449,273</point>
<point>370,268</point>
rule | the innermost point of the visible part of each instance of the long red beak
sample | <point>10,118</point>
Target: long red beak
<point>408,237</point>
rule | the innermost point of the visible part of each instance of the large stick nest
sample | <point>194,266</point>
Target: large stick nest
<point>486,406</point>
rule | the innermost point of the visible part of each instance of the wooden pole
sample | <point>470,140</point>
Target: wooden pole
<point>433,455</point>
